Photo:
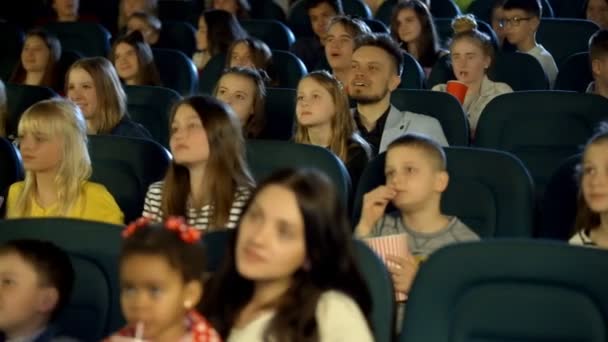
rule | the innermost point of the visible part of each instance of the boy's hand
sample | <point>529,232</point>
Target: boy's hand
<point>403,273</point>
<point>374,204</point>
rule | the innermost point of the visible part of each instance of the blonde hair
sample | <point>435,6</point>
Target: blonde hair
<point>3,110</point>
<point>343,127</point>
<point>58,118</point>
<point>465,26</point>
<point>111,97</point>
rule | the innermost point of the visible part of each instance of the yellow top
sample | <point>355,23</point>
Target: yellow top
<point>94,204</point>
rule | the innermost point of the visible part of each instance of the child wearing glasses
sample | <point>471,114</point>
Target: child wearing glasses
<point>520,23</point>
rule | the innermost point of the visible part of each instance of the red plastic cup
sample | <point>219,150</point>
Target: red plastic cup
<point>458,89</point>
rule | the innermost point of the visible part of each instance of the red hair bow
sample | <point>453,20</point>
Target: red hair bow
<point>186,233</point>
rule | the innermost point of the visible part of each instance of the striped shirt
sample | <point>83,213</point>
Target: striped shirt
<point>197,217</point>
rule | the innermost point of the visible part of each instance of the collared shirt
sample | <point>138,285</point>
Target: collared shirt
<point>374,136</point>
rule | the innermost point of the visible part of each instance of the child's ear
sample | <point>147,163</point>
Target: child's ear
<point>47,299</point>
<point>193,292</point>
<point>441,181</point>
<point>596,67</point>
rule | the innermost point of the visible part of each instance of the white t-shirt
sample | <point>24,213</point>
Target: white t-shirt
<point>546,61</point>
<point>339,319</point>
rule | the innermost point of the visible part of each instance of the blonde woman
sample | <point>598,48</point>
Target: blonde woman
<point>53,145</point>
<point>93,84</point>
<point>324,119</point>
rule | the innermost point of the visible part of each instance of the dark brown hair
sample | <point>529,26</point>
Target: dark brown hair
<point>147,73</point>
<point>51,77</point>
<point>226,169</point>
<point>222,30</point>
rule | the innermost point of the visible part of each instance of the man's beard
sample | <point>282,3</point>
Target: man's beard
<point>369,99</point>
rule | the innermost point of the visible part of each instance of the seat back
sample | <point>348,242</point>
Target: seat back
<point>11,40</point>
<point>89,39</point>
<point>287,68</point>
<point>559,205</point>
<point>568,8</point>
<point>565,37</point>
<point>151,107</point>
<point>68,57</point>
<point>541,128</point>
<point>376,26</point>
<point>20,97</point>
<point>413,76</point>
<point>266,9</point>
<point>381,289</point>
<point>509,291</point>
<point>183,10</point>
<point>94,309</point>
<point>177,71</point>
<point>575,73</point>
<point>280,114</point>
<point>211,73</point>
<point>298,21</point>
<point>127,167</point>
<point>11,170</point>
<point>490,191</point>
<point>442,106</point>
<point>266,156</point>
<point>178,35</point>
<point>272,32</point>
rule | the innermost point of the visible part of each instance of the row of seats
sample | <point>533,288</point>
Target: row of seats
<point>490,190</point>
<point>501,290</point>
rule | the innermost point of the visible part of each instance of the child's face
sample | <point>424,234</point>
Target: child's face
<point>137,24</point>
<point>40,151</point>
<point>314,104</point>
<point>131,6</point>
<point>189,143</point>
<point>201,34</point>
<point>230,6</point>
<point>238,92</point>
<point>414,176</point>
<point>126,62</point>
<point>271,242</point>
<point>408,26</point>
<point>339,46</point>
<point>469,61</point>
<point>82,91</point>
<point>600,69</point>
<point>595,177</point>
<point>519,26</point>
<point>241,56</point>
<point>597,11</point>
<point>319,18</point>
<point>35,54</point>
<point>153,293</point>
<point>23,300</point>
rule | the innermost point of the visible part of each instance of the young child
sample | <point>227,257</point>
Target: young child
<point>521,21</point>
<point>134,61</point>
<point>472,54</point>
<point>591,225</point>
<point>597,11</point>
<point>243,89</point>
<point>161,280</point>
<point>324,119</point>
<point>147,24</point>
<point>290,274</point>
<point>342,32</point>
<point>208,181</point>
<point>53,146</point>
<point>416,177</point>
<point>126,8</point>
<point>217,29</point>
<point>37,280</point>
<point>598,53</point>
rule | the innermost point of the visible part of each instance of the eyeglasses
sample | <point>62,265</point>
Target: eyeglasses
<point>515,21</point>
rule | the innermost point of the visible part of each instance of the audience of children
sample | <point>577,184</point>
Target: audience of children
<point>53,145</point>
<point>310,49</point>
<point>598,54</point>
<point>340,42</point>
<point>244,91</point>
<point>38,63</point>
<point>147,24</point>
<point>93,84</point>
<point>133,60</point>
<point>208,180</point>
<point>472,53</point>
<point>37,281</point>
<point>162,268</point>
<point>376,72</point>
<point>290,273</point>
<point>413,27</point>
<point>591,226</point>
<point>324,119</point>
<point>521,20</point>
<point>217,29</point>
